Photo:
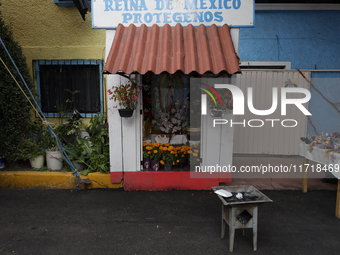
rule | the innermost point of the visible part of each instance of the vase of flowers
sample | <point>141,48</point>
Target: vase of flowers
<point>155,156</point>
<point>168,156</point>
<point>172,121</point>
<point>147,156</point>
<point>127,96</point>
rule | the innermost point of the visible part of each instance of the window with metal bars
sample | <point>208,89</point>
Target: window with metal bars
<point>65,85</point>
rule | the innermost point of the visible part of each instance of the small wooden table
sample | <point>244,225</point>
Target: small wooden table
<point>241,214</point>
<point>318,155</point>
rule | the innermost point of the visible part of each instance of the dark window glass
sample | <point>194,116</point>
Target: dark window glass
<point>64,87</point>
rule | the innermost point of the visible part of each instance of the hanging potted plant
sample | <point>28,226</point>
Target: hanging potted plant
<point>219,105</point>
<point>127,96</point>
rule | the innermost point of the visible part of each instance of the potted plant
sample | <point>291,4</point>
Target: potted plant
<point>54,157</point>
<point>219,105</point>
<point>32,150</point>
<point>147,155</point>
<point>156,155</point>
<point>168,156</point>
<point>182,155</point>
<point>127,96</point>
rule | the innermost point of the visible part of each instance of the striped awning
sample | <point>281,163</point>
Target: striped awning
<point>169,49</point>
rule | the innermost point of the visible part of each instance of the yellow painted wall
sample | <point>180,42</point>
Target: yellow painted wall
<point>46,31</point>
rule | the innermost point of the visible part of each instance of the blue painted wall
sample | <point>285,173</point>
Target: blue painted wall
<point>310,40</point>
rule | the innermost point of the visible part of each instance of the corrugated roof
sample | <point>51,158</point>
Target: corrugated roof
<point>158,49</point>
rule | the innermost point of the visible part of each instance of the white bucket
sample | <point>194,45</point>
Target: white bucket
<point>37,162</point>
<point>54,160</point>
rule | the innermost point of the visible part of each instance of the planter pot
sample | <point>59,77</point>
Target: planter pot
<point>126,113</point>
<point>37,162</point>
<point>78,166</point>
<point>146,164</point>
<point>181,164</point>
<point>167,167</point>
<point>154,165</point>
<point>217,113</point>
<point>54,160</point>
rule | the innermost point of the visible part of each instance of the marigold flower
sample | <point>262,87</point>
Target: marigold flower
<point>162,162</point>
<point>155,151</point>
<point>167,144</point>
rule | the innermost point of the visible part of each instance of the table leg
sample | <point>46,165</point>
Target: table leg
<point>255,218</point>
<point>232,220</point>
<point>223,223</point>
<point>305,175</point>
<point>337,208</point>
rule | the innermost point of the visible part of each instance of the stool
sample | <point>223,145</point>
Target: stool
<point>239,217</point>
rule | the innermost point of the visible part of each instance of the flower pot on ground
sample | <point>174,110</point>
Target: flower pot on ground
<point>155,155</point>
<point>37,162</point>
<point>169,154</point>
<point>167,167</point>
<point>155,165</point>
<point>147,147</point>
<point>146,164</point>
<point>127,97</point>
<point>30,149</point>
<point>54,160</point>
<point>181,156</point>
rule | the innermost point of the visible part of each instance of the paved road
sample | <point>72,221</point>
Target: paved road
<point>40,221</point>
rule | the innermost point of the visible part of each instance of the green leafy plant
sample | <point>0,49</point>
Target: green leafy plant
<point>30,149</point>
<point>15,110</point>
<point>94,153</point>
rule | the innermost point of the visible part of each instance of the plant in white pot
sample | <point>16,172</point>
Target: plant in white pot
<point>127,96</point>
<point>32,150</point>
<point>54,157</point>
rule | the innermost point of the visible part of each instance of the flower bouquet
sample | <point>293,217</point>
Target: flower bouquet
<point>172,122</point>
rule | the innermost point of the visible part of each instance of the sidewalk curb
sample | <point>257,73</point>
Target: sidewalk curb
<point>53,180</point>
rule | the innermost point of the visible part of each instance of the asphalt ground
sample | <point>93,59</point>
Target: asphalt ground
<point>108,221</point>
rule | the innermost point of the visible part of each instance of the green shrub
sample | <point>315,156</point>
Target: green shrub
<point>14,107</point>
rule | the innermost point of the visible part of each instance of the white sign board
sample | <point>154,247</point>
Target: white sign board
<point>235,13</point>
